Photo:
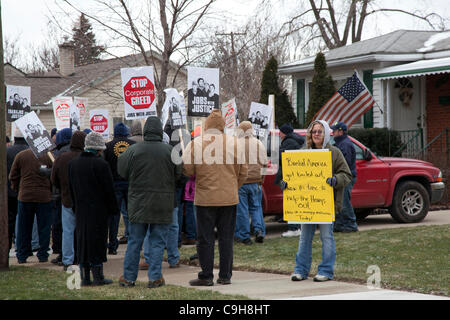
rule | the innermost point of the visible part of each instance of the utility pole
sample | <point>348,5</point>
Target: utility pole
<point>4,244</point>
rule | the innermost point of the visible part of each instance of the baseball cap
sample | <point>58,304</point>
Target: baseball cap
<point>339,126</point>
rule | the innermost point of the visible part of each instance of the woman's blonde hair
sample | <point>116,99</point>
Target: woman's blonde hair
<point>309,142</point>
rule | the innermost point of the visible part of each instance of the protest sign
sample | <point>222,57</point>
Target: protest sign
<point>82,104</point>
<point>75,119</point>
<point>18,102</point>
<point>229,111</point>
<point>260,116</point>
<point>98,122</point>
<point>203,91</point>
<point>35,134</point>
<point>61,111</point>
<point>174,109</point>
<point>307,198</point>
<point>138,92</point>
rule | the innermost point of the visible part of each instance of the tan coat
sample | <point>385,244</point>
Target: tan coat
<point>255,153</point>
<point>213,159</point>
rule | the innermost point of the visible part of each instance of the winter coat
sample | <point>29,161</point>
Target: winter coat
<point>11,152</point>
<point>348,150</point>
<point>151,176</point>
<point>136,131</point>
<point>217,180</point>
<point>340,168</point>
<point>292,141</point>
<point>60,170</point>
<point>114,149</point>
<point>27,180</point>
<point>255,153</point>
<point>92,192</point>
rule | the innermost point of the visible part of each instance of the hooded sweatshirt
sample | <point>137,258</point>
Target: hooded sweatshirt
<point>60,170</point>
<point>213,159</point>
<point>340,168</point>
<point>136,131</point>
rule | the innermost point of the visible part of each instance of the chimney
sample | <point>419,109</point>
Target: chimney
<point>66,59</point>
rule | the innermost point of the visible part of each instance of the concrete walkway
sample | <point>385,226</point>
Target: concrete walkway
<point>275,286</point>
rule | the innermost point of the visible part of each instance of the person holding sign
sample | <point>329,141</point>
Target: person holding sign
<point>318,137</point>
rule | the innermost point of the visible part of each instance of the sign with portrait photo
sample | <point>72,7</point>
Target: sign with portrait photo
<point>260,116</point>
<point>203,91</point>
<point>18,102</point>
<point>35,134</point>
<point>174,109</point>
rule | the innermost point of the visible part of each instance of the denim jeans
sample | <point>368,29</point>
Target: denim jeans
<point>68,225</point>
<point>157,239</point>
<point>346,219</point>
<point>303,258</point>
<point>250,197</point>
<point>121,192</point>
<point>191,221</point>
<point>180,210</point>
<point>26,214</point>
<point>34,234</point>
<point>173,255</point>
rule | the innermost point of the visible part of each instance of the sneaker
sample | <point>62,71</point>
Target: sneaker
<point>201,282</point>
<point>321,278</point>
<point>156,283</point>
<point>247,241</point>
<point>297,277</point>
<point>176,265</point>
<point>123,240</point>
<point>125,283</point>
<point>57,260</point>
<point>143,265</point>
<point>259,237</point>
<point>291,233</point>
<point>223,281</point>
<point>112,252</point>
<point>189,242</point>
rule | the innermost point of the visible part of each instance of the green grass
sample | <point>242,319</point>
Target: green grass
<point>27,283</point>
<point>414,258</point>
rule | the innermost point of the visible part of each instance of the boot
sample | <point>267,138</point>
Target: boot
<point>85,273</point>
<point>99,278</point>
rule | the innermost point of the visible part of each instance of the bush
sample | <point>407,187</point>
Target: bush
<point>382,141</point>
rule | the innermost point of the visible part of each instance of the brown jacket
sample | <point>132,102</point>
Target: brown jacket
<point>27,181</point>
<point>213,158</point>
<point>255,153</point>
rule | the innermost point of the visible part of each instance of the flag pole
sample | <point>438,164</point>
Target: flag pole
<point>376,103</point>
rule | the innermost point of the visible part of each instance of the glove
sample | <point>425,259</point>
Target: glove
<point>283,184</point>
<point>332,181</point>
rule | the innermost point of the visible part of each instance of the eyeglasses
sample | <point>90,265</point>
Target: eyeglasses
<point>317,132</point>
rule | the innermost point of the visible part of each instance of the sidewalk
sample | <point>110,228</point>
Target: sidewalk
<point>273,286</point>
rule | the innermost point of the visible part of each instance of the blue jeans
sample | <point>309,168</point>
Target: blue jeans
<point>121,192</point>
<point>26,214</point>
<point>346,219</point>
<point>180,210</point>
<point>34,234</point>
<point>250,196</point>
<point>303,258</point>
<point>68,226</point>
<point>157,238</point>
<point>173,255</point>
<point>191,221</point>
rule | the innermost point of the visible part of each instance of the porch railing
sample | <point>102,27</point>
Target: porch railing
<point>412,143</point>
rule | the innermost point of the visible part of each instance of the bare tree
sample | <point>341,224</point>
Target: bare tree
<point>158,30</point>
<point>337,23</point>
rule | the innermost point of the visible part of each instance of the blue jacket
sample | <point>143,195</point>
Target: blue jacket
<point>348,150</point>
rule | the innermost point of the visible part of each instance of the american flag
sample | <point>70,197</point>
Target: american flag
<point>348,104</point>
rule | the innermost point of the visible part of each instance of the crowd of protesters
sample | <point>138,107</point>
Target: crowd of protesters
<point>77,199</point>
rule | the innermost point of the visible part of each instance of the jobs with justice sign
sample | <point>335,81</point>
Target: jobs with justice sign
<point>307,198</point>
<point>138,92</point>
<point>203,91</point>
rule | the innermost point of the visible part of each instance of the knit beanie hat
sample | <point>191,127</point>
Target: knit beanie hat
<point>286,128</point>
<point>63,136</point>
<point>94,141</point>
<point>121,129</point>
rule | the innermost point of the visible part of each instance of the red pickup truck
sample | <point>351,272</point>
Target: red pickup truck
<point>406,187</point>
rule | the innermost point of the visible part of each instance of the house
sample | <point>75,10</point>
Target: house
<point>100,82</point>
<point>407,72</point>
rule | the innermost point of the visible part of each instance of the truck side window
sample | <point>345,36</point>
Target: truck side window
<point>359,152</point>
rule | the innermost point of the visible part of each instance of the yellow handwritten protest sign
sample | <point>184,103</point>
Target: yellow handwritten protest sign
<point>308,198</point>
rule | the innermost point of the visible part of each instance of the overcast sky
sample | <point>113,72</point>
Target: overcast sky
<point>28,18</point>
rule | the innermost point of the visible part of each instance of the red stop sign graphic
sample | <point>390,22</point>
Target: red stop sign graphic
<point>99,123</point>
<point>139,92</point>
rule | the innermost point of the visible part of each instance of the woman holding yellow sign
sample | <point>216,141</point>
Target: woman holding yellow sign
<point>318,137</point>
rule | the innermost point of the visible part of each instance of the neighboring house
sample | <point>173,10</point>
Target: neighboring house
<point>408,73</point>
<point>100,82</point>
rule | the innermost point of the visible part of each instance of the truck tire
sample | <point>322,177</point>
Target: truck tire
<point>410,203</point>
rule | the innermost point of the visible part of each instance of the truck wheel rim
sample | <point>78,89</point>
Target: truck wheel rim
<point>412,202</point>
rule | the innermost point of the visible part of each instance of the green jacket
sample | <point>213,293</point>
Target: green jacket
<point>151,174</point>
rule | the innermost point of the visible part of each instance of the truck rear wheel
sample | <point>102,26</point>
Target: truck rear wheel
<point>410,203</point>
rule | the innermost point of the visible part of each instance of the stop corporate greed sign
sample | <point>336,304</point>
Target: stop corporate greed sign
<point>307,198</point>
<point>98,121</point>
<point>61,111</point>
<point>138,92</point>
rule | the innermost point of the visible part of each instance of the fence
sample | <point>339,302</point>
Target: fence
<point>412,143</point>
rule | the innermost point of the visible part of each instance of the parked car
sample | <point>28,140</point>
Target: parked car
<point>406,187</point>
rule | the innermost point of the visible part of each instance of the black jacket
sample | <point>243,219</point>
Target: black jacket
<point>292,141</point>
<point>92,192</point>
<point>114,149</point>
<point>348,150</point>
